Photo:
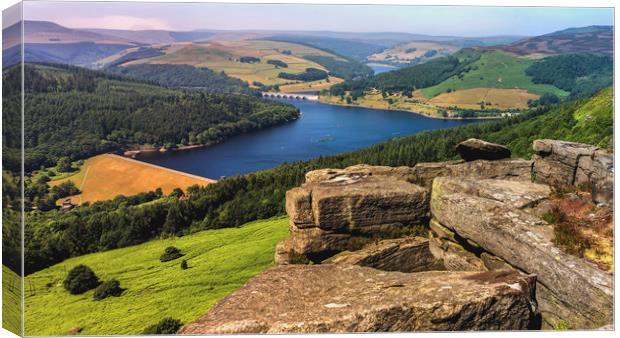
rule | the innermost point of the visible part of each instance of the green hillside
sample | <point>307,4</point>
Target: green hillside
<point>587,121</point>
<point>220,261</point>
<point>11,301</point>
<point>494,70</point>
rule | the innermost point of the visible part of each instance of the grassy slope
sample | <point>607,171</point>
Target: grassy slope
<point>495,70</point>
<point>586,121</point>
<point>220,261</point>
<point>105,176</point>
<point>223,57</point>
<point>11,300</point>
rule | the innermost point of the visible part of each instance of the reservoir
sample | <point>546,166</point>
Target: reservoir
<point>321,130</point>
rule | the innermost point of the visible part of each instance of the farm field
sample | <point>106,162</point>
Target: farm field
<point>407,52</point>
<point>492,98</point>
<point>11,300</point>
<point>105,176</point>
<point>310,86</point>
<point>495,70</point>
<point>220,261</point>
<point>224,56</point>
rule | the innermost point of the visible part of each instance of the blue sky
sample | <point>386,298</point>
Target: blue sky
<point>435,20</point>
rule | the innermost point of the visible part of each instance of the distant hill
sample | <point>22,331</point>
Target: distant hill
<point>591,39</point>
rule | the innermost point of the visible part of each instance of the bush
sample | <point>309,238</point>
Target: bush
<point>107,289</point>
<point>184,265</point>
<point>171,253</point>
<point>80,279</point>
<point>165,326</point>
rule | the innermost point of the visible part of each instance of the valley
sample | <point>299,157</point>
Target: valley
<point>136,141</point>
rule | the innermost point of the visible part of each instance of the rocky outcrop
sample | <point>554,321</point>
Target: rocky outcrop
<point>408,254</point>
<point>475,149</point>
<point>565,165</point>
<point>499,218</point>
<point>345,298</point>
<point>342,210</point>
<point>500,268</point>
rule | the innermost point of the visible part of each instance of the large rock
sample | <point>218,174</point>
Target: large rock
<point>475,149</point>
<point>507,169</point>
<point>338,210</point>
<point>407,254</point>
<point>342,298</point>
<point>349,203</point>
<point>565,165</point>
<point>501,224</point>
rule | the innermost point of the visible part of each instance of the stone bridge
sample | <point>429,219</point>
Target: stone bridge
<point>290,96</point>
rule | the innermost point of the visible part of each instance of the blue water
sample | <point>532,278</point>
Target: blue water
<point>322,130</point>
<point>382,69</point>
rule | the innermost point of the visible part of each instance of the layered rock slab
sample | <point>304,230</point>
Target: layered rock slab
<point>341,298</point>
<point>496,218</point>
<point>408,254</point>
<point>565,164</point>
<point>339,210</point>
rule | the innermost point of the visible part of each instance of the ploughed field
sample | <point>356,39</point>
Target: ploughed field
<point>106,176</point>
<point>219,262</point>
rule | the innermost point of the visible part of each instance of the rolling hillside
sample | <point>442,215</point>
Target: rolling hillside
<point>494,70</point>
<point>591,39</point>
<point>220,261</point>
<point>479,82</point>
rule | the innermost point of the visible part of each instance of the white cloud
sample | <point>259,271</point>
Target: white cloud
<point>117,22</point>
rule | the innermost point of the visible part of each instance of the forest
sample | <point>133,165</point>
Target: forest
<point>185,76</point>
<point>580,74</point>
<point>310,74</point>
<point>232,201</point>
<point>77,113</point>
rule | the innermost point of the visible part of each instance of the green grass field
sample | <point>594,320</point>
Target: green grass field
<point>11,301</point>
<point>220,261</point>
<point>495,70</point>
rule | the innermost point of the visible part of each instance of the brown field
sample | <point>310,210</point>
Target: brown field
<point>105,176</point>
<point>493,97</point>
<point>399,52</point>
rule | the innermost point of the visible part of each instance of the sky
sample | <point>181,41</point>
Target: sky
<point>433,20</point>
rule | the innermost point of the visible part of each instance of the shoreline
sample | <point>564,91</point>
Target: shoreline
<point>414,112</point>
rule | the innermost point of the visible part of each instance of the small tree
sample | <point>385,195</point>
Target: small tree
<point>107,289</point>
<point>64,165</point>
<point>171,253</point>
<point>184,265</point>
<point>80,279</point>
<point>167,325</point>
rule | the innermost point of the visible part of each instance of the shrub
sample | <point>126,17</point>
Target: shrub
<point>184,265</point>
<point>80,279</point>
<point>171,253</point>
<point>107,289</point>
<point>165,326</point>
